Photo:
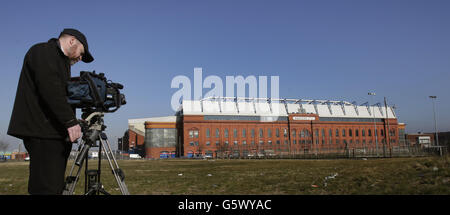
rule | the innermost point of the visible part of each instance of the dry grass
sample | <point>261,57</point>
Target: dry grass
<point>429,175</point>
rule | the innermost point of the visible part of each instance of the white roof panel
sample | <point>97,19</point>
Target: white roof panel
<point>337,111</point>
<point>246,108</point>
<point>324,111</point>
<point>293,108</point>
<point>210,107</point>
<point>278,109</point>
<point>363,112</point>
<point>350,111</point>
<point>309,108</point>
<point>228,107</point>
<point>261,107</point>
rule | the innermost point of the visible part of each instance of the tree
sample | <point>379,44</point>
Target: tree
<point>3,145</point>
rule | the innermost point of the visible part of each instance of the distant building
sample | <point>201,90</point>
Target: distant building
<point>244,127</point>
<point>420,139</point>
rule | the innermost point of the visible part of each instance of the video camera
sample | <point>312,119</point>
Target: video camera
<point>94,93</point>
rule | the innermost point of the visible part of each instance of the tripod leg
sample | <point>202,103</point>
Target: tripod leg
<point>118,174</point>
<point>71,180</point>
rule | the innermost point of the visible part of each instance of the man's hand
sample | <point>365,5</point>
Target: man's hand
<point>74,133</point>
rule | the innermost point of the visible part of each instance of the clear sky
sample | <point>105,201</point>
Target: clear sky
<point>334,49</point>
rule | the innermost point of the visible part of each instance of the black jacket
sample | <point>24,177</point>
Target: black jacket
<point>40,108</point>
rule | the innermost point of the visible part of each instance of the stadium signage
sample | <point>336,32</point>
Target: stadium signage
<point>303,118</point>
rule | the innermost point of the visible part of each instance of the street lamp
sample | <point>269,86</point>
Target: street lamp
<point>374,123</point>
<point>435,123</point>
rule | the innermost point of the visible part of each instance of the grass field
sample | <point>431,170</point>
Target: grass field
<point>424,175</point>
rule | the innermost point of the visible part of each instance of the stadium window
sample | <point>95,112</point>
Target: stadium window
<point>285,133</point>
<point>217,143</point>
<point>226,132</point>
<point>191,143</point>
<point>294,133</point>
<point>323,132</point>
<point>337,132</point>
<point>261,132</point>
<point>235,133</point>
<point>217,132</point>
<point>253,132</point>
<point>330,133</point>
<point>191,133</point>
<point>369,132</point>
<point>285,142</point>
<point>382,133</point>
<point>235,142</point>
<point>244,142</point>
<point>343,132</point>
<point>207,133</point>
<point>278,142</point>
<point>363,132</point>
<point>277,132</point>
<point>316,132</point>
<point>302,133</point>
<point>357,132</point>
<point>208,143</point>
<point>195,133</point>
<point>196,143</point>
<point>244,132</point>
<point>269,132</point>
<point>350,132</point>
<point>269,142</point>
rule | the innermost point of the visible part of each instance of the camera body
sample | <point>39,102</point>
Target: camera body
<point>92,92</point>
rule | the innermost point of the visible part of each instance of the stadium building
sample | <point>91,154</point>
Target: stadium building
<point>261,127</point>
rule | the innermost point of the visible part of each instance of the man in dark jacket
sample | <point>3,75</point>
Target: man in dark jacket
<point>41,116</point>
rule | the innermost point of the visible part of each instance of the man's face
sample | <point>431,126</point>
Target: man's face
<point>76,51</point>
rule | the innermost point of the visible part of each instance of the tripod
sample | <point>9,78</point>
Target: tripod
<point>93,127</point>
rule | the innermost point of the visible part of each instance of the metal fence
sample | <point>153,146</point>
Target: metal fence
<point>332,153</point>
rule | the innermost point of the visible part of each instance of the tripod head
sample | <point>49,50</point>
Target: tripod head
<point>92,125</point>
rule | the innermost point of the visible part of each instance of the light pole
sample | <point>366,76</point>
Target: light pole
<point>435,123</point>
<point>374,123</point>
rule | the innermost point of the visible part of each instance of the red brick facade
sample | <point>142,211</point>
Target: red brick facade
<point>295,134</point>
<point>282,137</point>
<point>135,139</point>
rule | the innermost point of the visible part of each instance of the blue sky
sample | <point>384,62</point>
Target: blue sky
<point>336,49</point>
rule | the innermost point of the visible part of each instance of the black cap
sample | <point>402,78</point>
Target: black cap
<point>87,57</point>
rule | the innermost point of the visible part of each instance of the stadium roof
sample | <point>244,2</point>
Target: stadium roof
<point>138,125</point>
<point>283,107</point>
